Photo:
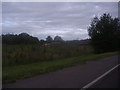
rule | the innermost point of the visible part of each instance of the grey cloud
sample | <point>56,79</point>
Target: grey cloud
<point>70,20</point>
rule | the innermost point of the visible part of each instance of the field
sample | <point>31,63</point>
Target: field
<point>24,54</point>
<point>11,74</point>
<point>23,61</point>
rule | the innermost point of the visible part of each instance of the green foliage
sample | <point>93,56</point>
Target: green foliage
<point>22,38</point>
<point>14,73</point>
<point>105,33</point>
<point>24,54</point>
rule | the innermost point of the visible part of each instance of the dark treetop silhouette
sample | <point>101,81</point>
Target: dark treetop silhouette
<point>105,33</point>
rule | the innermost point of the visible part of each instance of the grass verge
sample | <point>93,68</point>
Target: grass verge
<point>11,74</point>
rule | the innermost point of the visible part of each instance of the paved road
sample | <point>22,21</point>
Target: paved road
<point>112,80</point>
<point>72,77</point>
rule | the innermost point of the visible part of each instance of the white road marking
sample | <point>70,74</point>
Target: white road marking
<point>97,79</point>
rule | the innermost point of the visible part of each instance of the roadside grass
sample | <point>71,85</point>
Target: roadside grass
<point>13,73</point>
<point>14,55</point>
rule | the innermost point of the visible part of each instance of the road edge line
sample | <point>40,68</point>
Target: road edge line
<point>100,77</point>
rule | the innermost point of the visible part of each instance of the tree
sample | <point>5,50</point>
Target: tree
<point>105,33</point>
<point>24,34</point>
<point>49,39</point>
<point>42,42</point>
<point>58,39</point>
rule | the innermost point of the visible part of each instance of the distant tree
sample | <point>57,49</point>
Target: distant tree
<point>24,34</point>
<point>105,33</point>
<point>58,38</point>
<point>42,42</point>
<point>49,39</point>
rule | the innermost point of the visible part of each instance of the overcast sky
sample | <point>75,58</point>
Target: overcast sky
<point>66,19</point>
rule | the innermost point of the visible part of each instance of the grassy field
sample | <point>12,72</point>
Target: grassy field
<point>13,73</point>
<point>25,54</point>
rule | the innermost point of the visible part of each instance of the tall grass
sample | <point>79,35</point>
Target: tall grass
<point>24,54</point>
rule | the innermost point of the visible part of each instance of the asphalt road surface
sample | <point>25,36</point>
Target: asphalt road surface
<point>112,80</point>
<point>73,77</point>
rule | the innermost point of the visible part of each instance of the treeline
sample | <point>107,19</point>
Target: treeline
<point>22,38</point>
<point>25,38</point>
